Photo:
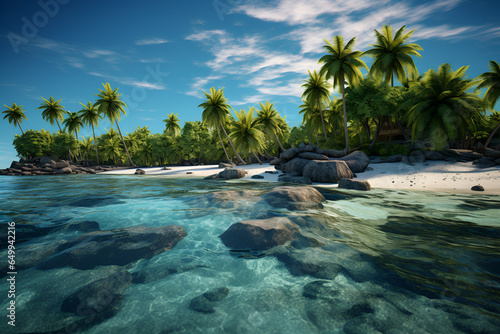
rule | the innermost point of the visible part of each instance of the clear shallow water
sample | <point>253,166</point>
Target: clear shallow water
<point>434,260</point>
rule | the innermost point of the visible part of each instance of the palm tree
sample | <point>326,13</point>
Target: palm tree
<point>73,123</point>
<point>442,106</point>
<point>311,118</point>
<point>269,119</point>
<point>112,148</point>
<point>172,126</point>
<point>90,115</point>
<point>247,134</point>
<point>317,90</point>
<point>342,63</point>
<point>215,114</point>
<point>52,111</point>
<point>109,104</point>
<point>494,117</point>
<point>491,80</point>
<point>86,145</point>
<point>392,56</point>
<point>15,114</point>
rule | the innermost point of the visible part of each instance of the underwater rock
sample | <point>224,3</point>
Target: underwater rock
<point>327,171</point>
<point>319,290</point>
<point>205,303</point>
<point>119,247</point>
<point>231,173</point>
<point>295,179</point>
<point>260,234</point>
<point>295,198</point>
<point>354,184</point>
<point>356,161</point>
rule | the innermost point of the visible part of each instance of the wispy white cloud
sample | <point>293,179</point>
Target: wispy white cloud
<point>205,35</point>
<point>152,60</point>
<point>151,41</point>
<point>129,82</point>
<point>97,53</point>
<point>199,85</point>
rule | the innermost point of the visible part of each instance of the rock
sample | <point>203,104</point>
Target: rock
<point>484,162</point>
<point>260,234</point>
<point>65,170</point>
<point>477,188</point>
<point>416,156</point>
<point>119,247</point>
<point>295,165</point>
<point>434,155</point>
<point>231,173</point>
<point>271,172</point>
<point>356,161</point>
<point>189,172</point>
<point>226,165</point>
<point>290,153</point>
<point>276,161</point>
<point>61,164</point>
<point>406,160</point>
<point>307,148</point>
<point>313,156</point>
<point>497,161</point>
<point>101,296</point>
<point>327,171</point>
<point>331,153</point>
<point>216,295</point>
<point>83,226</point>
<point>354,184</point>
<point>205,302</point>
<point>461,155</point>
<point>295,198</point>
<point>492,153</point>
<point>257,177</point>
<point>392,158</point>
<point>295,179</point>
<point>210,177</point>
<point>46,161</point>
<point>167,168</point>
<point>140,172</point>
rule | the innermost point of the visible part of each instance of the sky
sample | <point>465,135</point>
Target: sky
<point>162,55</point>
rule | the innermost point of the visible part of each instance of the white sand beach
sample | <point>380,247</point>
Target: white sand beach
<point>431,175</point>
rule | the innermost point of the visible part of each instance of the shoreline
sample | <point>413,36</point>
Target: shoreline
<point>437,176</point>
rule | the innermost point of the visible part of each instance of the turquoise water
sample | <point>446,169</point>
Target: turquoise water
<point>413,262</point>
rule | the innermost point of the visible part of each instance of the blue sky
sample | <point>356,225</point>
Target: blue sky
<point>162,54</point>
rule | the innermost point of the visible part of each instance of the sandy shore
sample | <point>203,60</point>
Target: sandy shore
<point>431,175</point>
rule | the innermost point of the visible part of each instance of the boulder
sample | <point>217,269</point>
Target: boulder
<point>205,302</point>
<point>257,177</point>
<point>313,156</point>
<point>276,161</point>
<point>61,164</point>
<point>461,155</point>
<point>115,247</point>
<point>307,148</point>
<point>416,156</point>
<point>327,171</point>
<point>65,170</point>
<point>294,165</point>
<point>477,188</point>
<point>392,158</point>
<point>231,173</point>
<point>290,153</point>
<point>354,184</point>
<point>295,198</point>
<point>497,161</point>
<point>226,165</point>
<point>484,162</point>
<point>434,155</point>
<point>295,179</point>
<point>492,153</point>
<point>140,172</point>
<point>406,160</point>
<point>260,234</point>
<point>331,153</point>
<point>356,161</point>
<point>46,161</point>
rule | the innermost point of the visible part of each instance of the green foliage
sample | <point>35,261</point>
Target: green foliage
<point>61,143</point>
<point>490,80</point>
<point>172,126</point>
<point>33,144</point>
<point>52,111</point>
<point>15,114</point>
<point>386,149</point>
<point>196,141</point>
<point>247,134</point>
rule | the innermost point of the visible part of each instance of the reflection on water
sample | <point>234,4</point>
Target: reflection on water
<point>382,261</point>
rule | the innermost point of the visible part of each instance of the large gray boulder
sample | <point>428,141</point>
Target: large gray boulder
<point>484,162</point>
<point>295,198</point>
<point>46,161</point>
<point>61,164</point>
<point>461,155</point>
<point>354,184</point>
<point>356,161</point>
<point>331,153</point>
<point>231,173</point>
<point>65,170</point>
<point>260,234</point>
<point>115,247</point>
<point>290,153</point>
<point>434,155</point>
<point>416,156</point>
<point>295,165</point>
<point>492,153</point>
<point>313,156</point>
<point>307,148</point>
<point>327,171</point>
<point>226,165</point>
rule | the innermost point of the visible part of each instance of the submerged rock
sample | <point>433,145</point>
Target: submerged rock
<point>205,303</point>
<point>115,247</point>
<point>295,198</point>
<point>260,234</point>
<point>354,184</point>
<point>295,179</point>
<point>231,173</point>
<point>327,171</point>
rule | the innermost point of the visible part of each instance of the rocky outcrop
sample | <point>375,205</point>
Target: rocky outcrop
<point>484,162</point>
<point>313,156</point>
<point>114,247</point>
<point>434,155</point>
<point>461,155</point>
<point>354,184</point>
<point>356,161</point>
<point>294,198</point>
<point>295,165</point>
<point>260,234</point>
<point>416,156</point>
<point>327,171</point>
<point>231,173</point>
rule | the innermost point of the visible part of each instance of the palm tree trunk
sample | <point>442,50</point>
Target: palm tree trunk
<point>124,145</point>
<point>317,140</point>
<point>95,145</point>
<point>232,145</point>
<point>345,115</point>
<point>255,155</point>
<point>376,133</point>
<point>278,141</point>
<point>20,127</point>
<point>79,151</point>
<point>222,143</point>
<point>403,131</point>
<point>322,120</point>
<point>491,135</point>
<point>58,125</point>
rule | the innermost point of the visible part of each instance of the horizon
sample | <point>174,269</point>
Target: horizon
<point>163,55</point>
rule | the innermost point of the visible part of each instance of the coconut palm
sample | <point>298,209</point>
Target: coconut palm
<point>90,116</point>
<point>15,114</point>
<point>491,80</point>
<point>172,126</point>
<point>111,106</point>
<point>247,134</point>
<point>442,106</point>
<point>112,149</point>
<point>269,119</point>
<point>311,117</point>
<point>73,123</point>
<point>317,90</point>
<point>86,145</point>
<point>52,111</point>
<point>392,56</point>
<point>342,63</point>
<point>494,117</point>
<point>215,114</point>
